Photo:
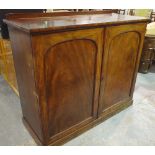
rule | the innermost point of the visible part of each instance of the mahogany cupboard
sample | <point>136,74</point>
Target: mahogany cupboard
<point>73,71</point>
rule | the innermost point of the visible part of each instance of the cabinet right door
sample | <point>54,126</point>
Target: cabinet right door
<point>122,51</point>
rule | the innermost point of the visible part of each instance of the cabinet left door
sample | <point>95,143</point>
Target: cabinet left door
<point>67,68</point>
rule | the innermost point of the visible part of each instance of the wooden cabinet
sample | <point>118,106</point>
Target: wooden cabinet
<point>74,71</point>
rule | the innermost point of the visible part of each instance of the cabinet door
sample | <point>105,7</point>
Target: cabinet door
<point>122,51</point>
<point>68,68</point>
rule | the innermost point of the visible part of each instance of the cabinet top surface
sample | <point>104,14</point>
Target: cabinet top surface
<point>52,23</point>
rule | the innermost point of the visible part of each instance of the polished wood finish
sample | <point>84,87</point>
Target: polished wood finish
<point>23,60</point>
<point>7,64</point>
<point>69,21</point>
<point>74,71</point>
<point>75,76</point>
<point>119,63</point>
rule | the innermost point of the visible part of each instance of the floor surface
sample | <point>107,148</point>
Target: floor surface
<point>133,126</point>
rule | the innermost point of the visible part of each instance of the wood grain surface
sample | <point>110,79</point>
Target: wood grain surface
<point>70,21</point>
<point>75,70</point>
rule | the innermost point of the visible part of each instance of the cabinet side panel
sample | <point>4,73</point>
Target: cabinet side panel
<point>23,60</point>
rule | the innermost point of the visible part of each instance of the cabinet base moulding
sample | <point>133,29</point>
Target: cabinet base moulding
<point>105,115</point>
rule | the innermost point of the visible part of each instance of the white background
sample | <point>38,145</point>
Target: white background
<point>77,4</point>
